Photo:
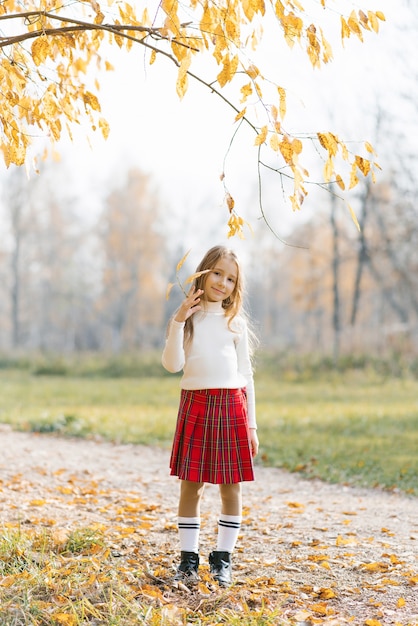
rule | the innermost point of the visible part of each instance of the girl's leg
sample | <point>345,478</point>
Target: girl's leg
<point>189,529</point>
<point>189,515</point>
<point>231,499</point>
<point>229,525</point>
<point>190,496</point>
<point>229,522</point>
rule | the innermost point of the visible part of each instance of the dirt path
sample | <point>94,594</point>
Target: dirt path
<point>326,552</point>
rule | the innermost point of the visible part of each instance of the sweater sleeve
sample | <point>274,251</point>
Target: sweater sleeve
<point>173,358</point>
<point>246,370</point>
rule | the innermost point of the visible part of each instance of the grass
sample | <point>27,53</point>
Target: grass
<point>357,428</point>
<point>74,579</point>
<point>343,429</point>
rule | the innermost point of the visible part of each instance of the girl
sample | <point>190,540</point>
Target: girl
<point>216,437</point>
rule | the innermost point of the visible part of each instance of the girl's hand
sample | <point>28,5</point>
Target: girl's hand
<point>190,305</point>
<point>254,441</point>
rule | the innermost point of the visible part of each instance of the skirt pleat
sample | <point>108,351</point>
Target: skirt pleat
<point>211,442</point>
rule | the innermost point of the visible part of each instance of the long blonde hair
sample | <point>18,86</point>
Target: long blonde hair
<point>233,305</point>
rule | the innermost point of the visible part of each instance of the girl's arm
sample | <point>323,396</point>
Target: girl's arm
<point>246,370</point>
<point>173,357</point>
<point>173,353</point>
<point>254,441</point>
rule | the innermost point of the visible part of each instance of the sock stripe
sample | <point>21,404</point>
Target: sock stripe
<point>222,522</point>
<point>191,525</point>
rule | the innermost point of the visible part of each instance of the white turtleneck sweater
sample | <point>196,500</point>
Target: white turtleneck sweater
<point>216,358</point>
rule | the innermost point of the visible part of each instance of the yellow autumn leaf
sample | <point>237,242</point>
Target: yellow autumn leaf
<point>91,100</point>
<point>182,83</point>
<point>374,22</point>
<point>40,50</point>
<point>364,20</point>
<point>363,165</point>
<point>99,19</point>
<point>400,603</point>
<point>341,541</point>
<point>369,147</point>
<point>345,30</point>
<point>261,137</point>
<point>152,57</point>
<point>230,202</point>
<point>68,619</point>
<point>354,217</point>
<point>275,142</point>
<point>327,593</point>
<point>258,90</point>
<point>354,26</point>
<point>329,141</point>
<point>232,28</point>
<point>182,261</point>
<point>328,170</point>
<point>192,277</point>
<point>251,7</point>
<point>353,176</point>
<point>289,150</point>
<point>282,106</point>
<point>240,114</point>
<point>170,7</point>
<point>320,608</point>
<point>203,589</point>
<point>313,49</point>
<point>297,146</point>
<point>372,622</point>
<point>104,127</point>
<point>340,182</point>
<point>327,53</point>
<point>246,91</point>
<point>235,225</point>
<point>228,71</point>
<point>252,71</point>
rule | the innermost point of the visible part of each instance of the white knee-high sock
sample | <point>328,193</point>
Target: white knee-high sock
<point>189,529</point>
<point>228,531</point>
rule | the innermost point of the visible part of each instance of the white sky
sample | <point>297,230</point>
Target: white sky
<point>183,144</point>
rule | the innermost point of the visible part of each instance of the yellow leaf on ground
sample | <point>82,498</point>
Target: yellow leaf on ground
<point>375,567</point>
<point>66,618</point>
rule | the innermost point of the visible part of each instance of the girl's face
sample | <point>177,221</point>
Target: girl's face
<point>221,280</point>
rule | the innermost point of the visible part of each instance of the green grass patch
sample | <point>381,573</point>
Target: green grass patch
<point>343,429</point>
<point>354,427</point>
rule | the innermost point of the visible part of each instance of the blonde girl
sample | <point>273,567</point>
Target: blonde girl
<point>215,439</point>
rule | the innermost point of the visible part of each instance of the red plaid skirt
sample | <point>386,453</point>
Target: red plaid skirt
<point>211,441</point>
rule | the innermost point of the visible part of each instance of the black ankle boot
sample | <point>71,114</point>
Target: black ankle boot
<point>187,570</point>
<point>220,567</point>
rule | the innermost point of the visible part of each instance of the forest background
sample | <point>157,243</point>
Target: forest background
<point>90,244</point>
